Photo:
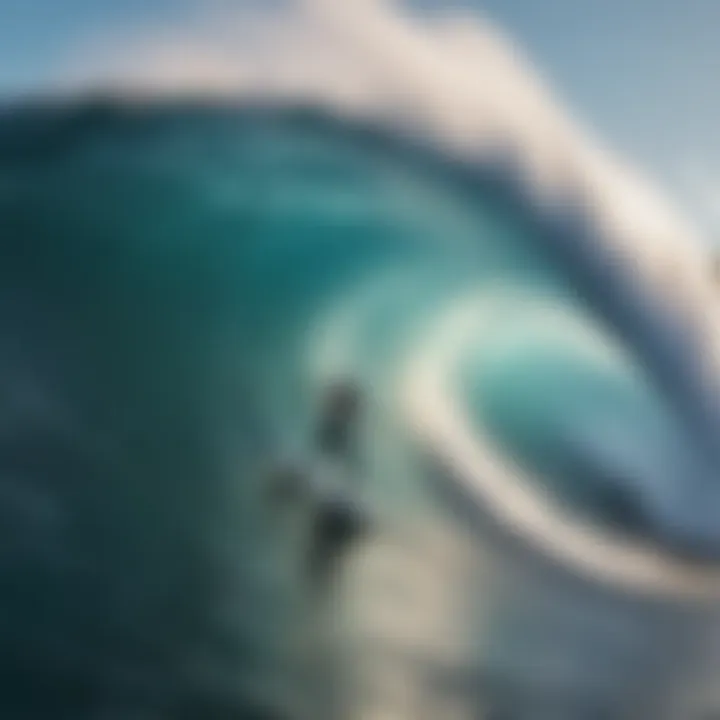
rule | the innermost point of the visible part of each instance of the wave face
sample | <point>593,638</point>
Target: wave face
<point>181,282</point>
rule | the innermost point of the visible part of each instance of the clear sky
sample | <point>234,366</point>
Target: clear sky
<point>645,74</point>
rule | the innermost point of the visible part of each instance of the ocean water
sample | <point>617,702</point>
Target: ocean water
<point>180,284</point>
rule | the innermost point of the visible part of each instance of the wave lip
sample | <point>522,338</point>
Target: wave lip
<point>450,76</point>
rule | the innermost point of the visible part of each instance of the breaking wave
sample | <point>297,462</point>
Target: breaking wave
<point>364,195</point>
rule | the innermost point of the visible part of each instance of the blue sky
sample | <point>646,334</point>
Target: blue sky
<point>643,73</point>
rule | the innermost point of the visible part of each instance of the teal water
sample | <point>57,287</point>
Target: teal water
<point>177,284</point>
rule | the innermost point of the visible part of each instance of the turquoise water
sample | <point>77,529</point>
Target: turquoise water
<point>178,284</point>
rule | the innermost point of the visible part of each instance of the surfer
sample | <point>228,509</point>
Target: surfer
<point>327,486</point>
<point>339,518</point>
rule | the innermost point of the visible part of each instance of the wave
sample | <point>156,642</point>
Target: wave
<point>202,273</point>
<point>448,75</point>
<point>360,195</point>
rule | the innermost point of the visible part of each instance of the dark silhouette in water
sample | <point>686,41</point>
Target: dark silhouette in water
<point>337,426</point>
<point>327,484</point>
<point>340,518</point>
